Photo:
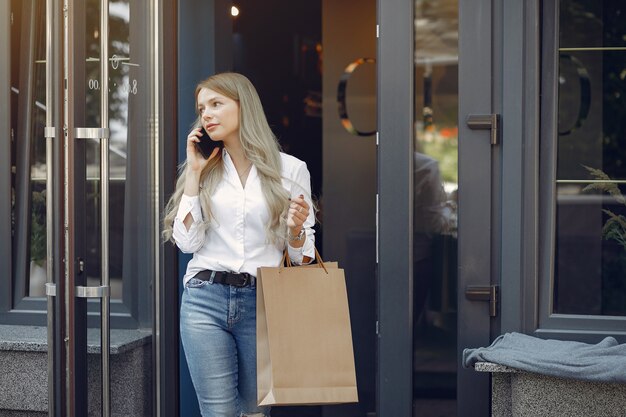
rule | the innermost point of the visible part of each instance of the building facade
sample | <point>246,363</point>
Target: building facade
<point>468,160</point>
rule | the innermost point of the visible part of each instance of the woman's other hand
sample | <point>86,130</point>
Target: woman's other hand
<point>297,214</point>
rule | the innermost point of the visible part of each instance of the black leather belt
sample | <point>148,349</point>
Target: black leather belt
<point>235,279</point>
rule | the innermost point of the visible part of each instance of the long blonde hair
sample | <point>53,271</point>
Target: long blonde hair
<point>260,147</point>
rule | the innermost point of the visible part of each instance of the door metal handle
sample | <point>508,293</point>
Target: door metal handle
<point>485,122</point>
<point>484,293</point>
<point>92,292</point>
<point>91,133</point>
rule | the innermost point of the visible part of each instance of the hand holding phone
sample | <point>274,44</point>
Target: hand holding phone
<point>206,144</point>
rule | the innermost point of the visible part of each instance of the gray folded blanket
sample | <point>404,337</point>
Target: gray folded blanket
<point>602,362</point>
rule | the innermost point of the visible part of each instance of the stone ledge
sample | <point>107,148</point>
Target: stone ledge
<point>494,367</point>
<point>23,379</point>
<point>520,393</point>
<point>35,339</point>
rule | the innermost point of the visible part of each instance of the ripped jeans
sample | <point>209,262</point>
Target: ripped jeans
<point>218,332</point>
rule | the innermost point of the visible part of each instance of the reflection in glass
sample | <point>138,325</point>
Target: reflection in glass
<point>28,148</point>
<point>435,179</point>
<point>121,88</point>
<point>28,154</point>
<point>131,233</point>
<point>590,257</point>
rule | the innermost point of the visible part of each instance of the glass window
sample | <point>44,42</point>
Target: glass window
<point>590,228</point>
<point>435,184</point>
<point>28,148</point>
<point>132,154</point>
<point>131,158</point>
<point>122,88</point>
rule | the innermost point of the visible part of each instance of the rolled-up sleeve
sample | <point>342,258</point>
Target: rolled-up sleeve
<point>188,241</point>
<point>302,185</point>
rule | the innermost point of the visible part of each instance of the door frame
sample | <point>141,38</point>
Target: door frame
<point>478,196</point>
<point>165,352</point>
<point>56,307</point>
<point>74,214</point>
<point>395,207</point>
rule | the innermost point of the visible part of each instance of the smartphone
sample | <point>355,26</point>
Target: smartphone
<point>206,144</point>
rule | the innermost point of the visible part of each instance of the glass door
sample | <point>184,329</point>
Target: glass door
<point>435,204</point>
<point>100,177</point>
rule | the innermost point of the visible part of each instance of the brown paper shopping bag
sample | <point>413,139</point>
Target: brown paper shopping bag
<point>304,340</point>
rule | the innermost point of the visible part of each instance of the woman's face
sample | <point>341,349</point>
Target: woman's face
<point>219,114</point>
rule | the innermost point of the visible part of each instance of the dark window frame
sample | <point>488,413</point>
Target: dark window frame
<point>134,310</point>
<point>547,324</point>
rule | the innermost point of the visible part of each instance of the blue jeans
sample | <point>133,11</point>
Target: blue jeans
<point>218,331</point>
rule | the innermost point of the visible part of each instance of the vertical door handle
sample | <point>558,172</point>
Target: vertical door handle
<point>485,122</point>
<point>105,326</point>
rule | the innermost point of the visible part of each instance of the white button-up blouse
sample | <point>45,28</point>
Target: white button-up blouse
<point>236,240</point>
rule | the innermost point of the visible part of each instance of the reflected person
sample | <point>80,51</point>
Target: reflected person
<point>429,220</point>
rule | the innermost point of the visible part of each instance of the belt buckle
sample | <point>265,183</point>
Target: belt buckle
<point>246,279</point>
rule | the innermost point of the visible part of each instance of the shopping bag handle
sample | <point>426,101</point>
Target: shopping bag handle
<point>287,260</point>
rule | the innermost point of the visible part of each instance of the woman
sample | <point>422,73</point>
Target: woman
<point>235,211</point>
